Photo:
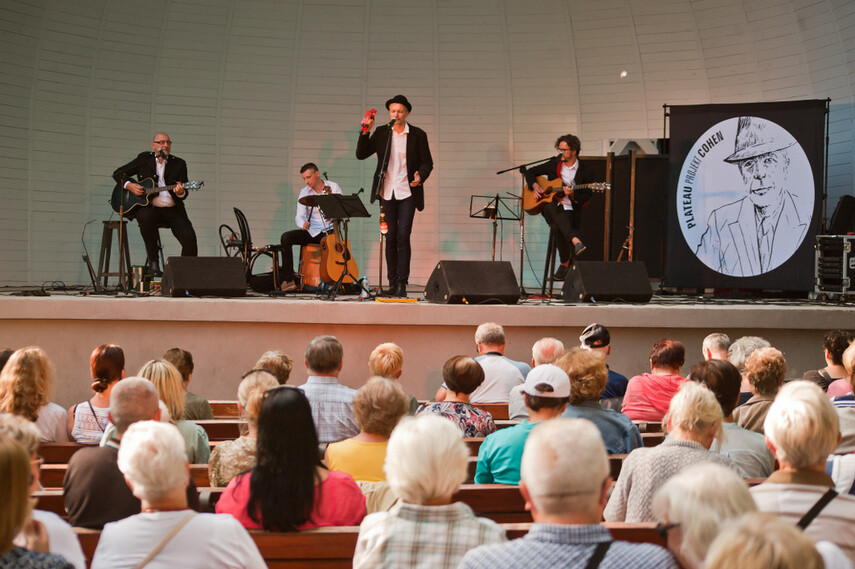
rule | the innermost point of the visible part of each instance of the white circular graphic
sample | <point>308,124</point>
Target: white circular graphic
<point>745,196</point>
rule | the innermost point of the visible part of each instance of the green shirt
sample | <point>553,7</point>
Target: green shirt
<point>500,455</point>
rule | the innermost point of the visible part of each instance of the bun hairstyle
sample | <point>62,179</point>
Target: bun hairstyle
<point>251,391</point>
<point>106,363</point>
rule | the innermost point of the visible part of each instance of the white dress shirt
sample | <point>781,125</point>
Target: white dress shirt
<point>568,177</point>
<point>317,222</point>
<point>397,184</point>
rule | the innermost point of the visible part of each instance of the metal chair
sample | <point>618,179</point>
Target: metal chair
<point>239,244</point>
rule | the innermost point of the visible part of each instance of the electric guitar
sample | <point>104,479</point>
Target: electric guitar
<point>124,201</point>
<point>553,191</point>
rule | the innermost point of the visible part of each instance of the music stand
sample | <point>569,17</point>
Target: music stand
<point>495,208</point>
<point>338,208</point>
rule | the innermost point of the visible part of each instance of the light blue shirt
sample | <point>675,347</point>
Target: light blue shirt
<point>500,455</point>
<point>317,223</point>
<point>619,433</point>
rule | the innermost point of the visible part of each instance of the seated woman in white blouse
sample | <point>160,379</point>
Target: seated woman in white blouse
<point>155,466</point>
<point>88,421</point>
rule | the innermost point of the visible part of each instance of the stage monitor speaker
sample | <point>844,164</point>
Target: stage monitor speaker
<point>473,282</point>
<point>200,276</point>
<point>600,281</point>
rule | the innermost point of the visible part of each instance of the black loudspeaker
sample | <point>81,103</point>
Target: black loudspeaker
<point>600,281</point>
<point>843,218</point>
<point>473,282</point>
<point>198,276</point>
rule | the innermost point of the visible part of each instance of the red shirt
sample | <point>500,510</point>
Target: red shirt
<point>338,502</point>
<point>647,396</point>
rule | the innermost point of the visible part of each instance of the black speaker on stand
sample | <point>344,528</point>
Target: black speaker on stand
<point>473,282</point>
<point>198,276</point>
<point>601,281</point>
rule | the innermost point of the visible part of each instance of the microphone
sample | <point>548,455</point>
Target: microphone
<point>392,123</point>
<point>158,152</point>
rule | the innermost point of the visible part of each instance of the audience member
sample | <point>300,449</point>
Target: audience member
<point>5,354</point>
<point>500,373</point>
<point>762,540</point>
<point>648,395</point>
<point>565,481</point>
<point>587,372</point>
<point>167,379</point>
<point>87,422</point>
<point>715,346</point>
<point>544,351</point>
<point>377,407</point>
<point>15,472</point>
<point>289,488</point>
<point>738,353</point>
<point>834,344</point>
<point>196,407</point>
<point>596,338</point>
<point>332,403</point>
<point>62,540</point>
<point>387,360</point>
<point>94,489</point>
<point>425,465</point>
<point>278,363</point>
<point>765,371</point>
<point>26,385</point>
<point>695,505</point>
<point>747,448</point>
<point>693,421</point>
<point>546,394</point>
<point>802,429</point>
<point>845,404</point>
<point>230,458</point>
<point>168,533</point>
<point>462,375</point>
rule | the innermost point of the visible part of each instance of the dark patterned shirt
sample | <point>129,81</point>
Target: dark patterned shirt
<point>20,558</point>
<point>472,421</point>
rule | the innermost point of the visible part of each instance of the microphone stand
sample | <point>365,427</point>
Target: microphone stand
<point>522,170</point>
<point>384,164</point>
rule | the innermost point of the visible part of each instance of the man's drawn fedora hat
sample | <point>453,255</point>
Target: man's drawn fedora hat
<point>754,139</point>
<point>400,99</point>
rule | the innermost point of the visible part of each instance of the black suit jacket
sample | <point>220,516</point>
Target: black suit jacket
<point>549,169</point>
<point>418,158</point>
<point>143,167</point>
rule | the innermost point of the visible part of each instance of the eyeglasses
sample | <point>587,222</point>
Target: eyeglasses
<point>564,149</point>
<point>663,529</point>
<point>38,461</point>
<point>163,142</point>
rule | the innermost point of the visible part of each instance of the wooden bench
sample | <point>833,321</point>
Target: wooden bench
<point>649,426</point>
<point>61,453</point>
<point>333,547</point>
<point>52,475</point>
<point>225,409</point>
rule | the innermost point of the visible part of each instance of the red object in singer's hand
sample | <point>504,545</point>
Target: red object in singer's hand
<point>369,114</point>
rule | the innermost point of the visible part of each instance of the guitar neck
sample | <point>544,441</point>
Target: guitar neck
<point>157,190</point>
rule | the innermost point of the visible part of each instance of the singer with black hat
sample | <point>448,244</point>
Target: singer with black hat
<point>403,165</point>
<point>167,207</point>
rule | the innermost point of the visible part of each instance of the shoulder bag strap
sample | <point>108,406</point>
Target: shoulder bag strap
<point>817,508</point>
<point>94,416</point>
<point>165,540</point>
<point>599,554</point>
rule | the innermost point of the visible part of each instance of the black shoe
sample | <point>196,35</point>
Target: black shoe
<point>391,290</point>
<point>401,292</point>
<point>560,274</point>
<point>153,269</point>
<point>579,248</point>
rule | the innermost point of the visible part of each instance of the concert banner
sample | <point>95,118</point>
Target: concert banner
<point>745,195</point>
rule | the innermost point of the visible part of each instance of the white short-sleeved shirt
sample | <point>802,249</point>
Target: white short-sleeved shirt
<point>62,539</point>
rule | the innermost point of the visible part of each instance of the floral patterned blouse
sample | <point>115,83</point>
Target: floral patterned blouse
<point>472,421</point>
<point>230,458</point>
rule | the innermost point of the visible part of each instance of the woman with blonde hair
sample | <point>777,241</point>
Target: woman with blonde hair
<point>88,421</point>
<point>15,511</point>
<point>26,385</point>
<point>230,458</point>
<point>170,389</point>
<point>693,422</point>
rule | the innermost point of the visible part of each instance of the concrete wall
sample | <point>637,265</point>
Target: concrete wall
<point>249,90</point>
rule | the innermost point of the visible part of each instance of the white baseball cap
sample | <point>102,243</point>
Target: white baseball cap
<point>551,375</point>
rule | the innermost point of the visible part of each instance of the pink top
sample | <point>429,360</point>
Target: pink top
<point>839,387</point>
<point>647,396</point>
<point>338,503</point>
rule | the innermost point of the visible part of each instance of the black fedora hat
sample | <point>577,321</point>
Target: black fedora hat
<point>400,99</point>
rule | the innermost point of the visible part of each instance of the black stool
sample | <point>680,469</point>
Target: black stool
<point>549,265</point>
<point>107,247</point>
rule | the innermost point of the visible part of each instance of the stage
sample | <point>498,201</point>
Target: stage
<point>226,335</point>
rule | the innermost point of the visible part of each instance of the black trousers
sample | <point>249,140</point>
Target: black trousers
<point>289,239</point>
<point>566,223</point>
<point>399,218</point>
<point>150,218</point>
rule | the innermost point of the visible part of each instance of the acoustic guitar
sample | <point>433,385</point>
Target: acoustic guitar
<point>124,201</point>
<point>553,191</point>
<point>336,258</point>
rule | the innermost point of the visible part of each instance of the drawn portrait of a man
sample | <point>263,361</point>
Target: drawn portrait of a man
<point>763,229</point>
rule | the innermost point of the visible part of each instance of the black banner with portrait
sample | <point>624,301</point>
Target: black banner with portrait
<point>745,195</point>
